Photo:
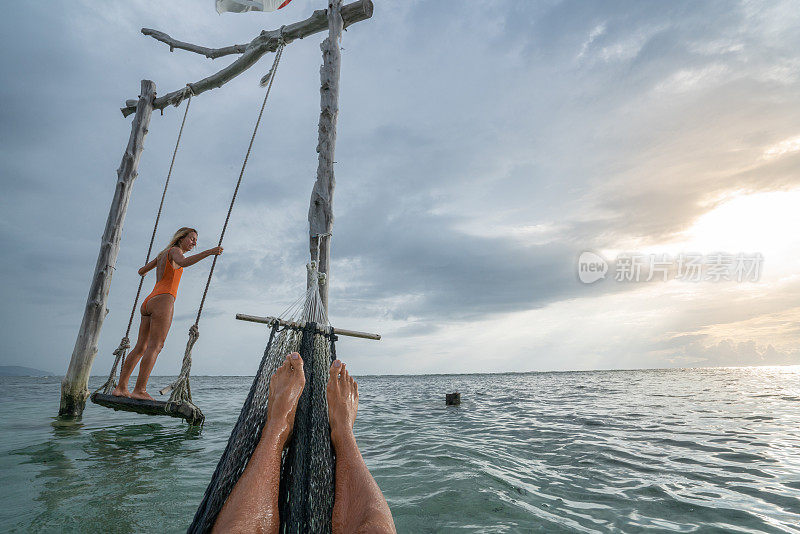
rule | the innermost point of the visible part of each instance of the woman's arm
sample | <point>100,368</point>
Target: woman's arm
<point>177,256</point>
<point>144,270</point>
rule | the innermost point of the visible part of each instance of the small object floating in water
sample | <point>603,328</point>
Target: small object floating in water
<point>184,410</point>
<point>453,399</point>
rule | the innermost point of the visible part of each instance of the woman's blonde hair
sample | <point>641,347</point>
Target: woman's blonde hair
<point>180,234</point>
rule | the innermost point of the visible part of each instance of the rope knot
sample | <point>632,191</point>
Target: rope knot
<point>124,345</point>
<point>187,92</point>
<point>194,331</point>
<point>266,80</point>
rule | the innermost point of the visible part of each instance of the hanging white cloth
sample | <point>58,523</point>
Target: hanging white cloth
<point>241,6</point>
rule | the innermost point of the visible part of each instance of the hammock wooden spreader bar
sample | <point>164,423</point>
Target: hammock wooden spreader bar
<point>148,407</point>
<point>295,324</point>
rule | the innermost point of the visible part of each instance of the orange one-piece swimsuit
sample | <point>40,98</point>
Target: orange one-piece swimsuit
<point>168,285</point>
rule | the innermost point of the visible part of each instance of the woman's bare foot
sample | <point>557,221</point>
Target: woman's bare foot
<point>285,388</point>
<point>141,395</point>
<point>342,394</point>
<point>121,391</point>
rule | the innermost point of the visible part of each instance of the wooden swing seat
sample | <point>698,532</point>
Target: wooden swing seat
<point>147,407</point>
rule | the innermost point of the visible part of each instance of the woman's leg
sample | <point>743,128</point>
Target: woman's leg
<point>133,358</point>
<point>160,309</point>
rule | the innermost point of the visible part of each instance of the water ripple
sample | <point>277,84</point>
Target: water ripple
<point>679,450</point>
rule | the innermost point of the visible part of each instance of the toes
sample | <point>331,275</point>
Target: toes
<point>290,362</point>
<point>284,366</point>
<point>336,367</point>
<point>294,360</point>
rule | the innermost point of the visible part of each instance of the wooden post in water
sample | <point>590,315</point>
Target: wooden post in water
<point>320,212</point>
<point>75,386</point>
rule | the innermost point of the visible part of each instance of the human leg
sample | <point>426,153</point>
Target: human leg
<point>133,358</point>
<point>358,505</point>
<point>252,505</point>
<point>160,308</point>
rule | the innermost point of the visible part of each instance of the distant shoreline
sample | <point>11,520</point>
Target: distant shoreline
<point>21,371</point>
<point>18,370</point>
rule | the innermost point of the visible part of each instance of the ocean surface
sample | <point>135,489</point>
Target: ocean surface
<point>695,450</point>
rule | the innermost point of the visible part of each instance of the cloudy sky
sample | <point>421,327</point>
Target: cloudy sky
<point>483,146</point>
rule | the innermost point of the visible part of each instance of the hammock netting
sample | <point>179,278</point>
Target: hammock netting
<point>307,467</point>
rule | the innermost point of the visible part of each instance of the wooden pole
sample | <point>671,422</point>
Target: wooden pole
<point>74,387</point>
<point>301,324</point>
<point>320,212</point>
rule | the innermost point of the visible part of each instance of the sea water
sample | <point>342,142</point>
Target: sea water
<point>711,450</point>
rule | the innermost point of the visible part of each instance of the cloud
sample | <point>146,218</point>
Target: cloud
<point>479,152</point>
<point>728,353</point>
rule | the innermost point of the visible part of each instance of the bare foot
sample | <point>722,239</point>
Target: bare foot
<point>121,391</point>
<point>252,505</point>
<point>342,394</point>
<point>285,388</point>
<point>141,395</point>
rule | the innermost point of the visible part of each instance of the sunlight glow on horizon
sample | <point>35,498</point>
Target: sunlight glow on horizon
<point>755,223</point>
<point>743,223</point>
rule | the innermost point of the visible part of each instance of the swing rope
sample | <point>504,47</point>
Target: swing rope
<point>125,343</point>
<point>181,391</point>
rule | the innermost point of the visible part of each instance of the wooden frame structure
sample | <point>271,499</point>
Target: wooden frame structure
<point>74,387</point>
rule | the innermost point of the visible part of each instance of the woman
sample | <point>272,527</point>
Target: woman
<point>157,309</point>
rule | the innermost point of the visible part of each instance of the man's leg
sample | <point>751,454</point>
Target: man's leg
<point>252,505</point>
<point>359,505</point>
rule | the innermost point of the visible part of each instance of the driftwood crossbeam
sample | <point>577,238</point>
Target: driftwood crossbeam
<point>266,42</point>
